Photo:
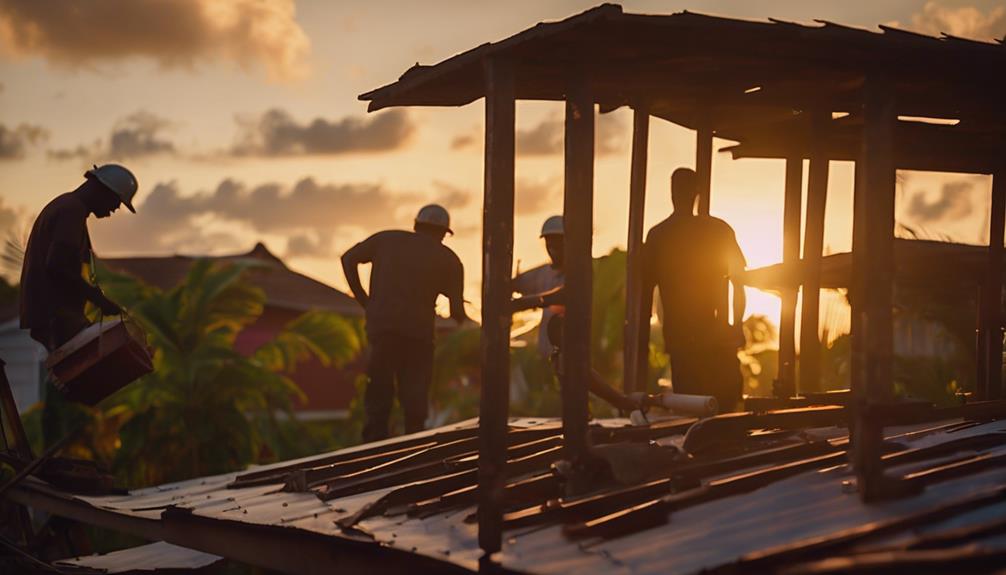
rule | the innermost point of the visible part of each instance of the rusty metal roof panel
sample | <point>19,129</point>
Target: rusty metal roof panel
<point>758,490</point>
<point>631,56</point>
<point>153,558</point>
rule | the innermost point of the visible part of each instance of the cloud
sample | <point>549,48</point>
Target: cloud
<point>175,33</point>
<point>276,133</point>
<point>306,245</point>
<point>953,203</point>
<point>14,142</point>
<point>450,196</point>
<point>463,141</point>
<point>962,21</point>
<point>309,213</point>
<point>135,136</point>
<point>547,137</point>
<point>537,196</point>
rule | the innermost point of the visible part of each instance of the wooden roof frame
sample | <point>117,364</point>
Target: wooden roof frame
<point>774,88</point>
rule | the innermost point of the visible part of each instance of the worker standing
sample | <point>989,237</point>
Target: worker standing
<point>53,288</point>
<point>692,258</point>
<point>545,278</point>
<point>410,269</point>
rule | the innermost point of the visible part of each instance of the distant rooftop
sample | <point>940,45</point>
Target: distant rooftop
<point>283,287</point>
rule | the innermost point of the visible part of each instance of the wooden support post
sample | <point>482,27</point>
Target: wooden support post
<point>813,250</point>
<point>792,208</point>
<point>636,319</point>
<point>873,265</point>
<point>860,199</point>
<point>991,335</point>
<point>578,210</point>
<point>704,165</point>
<point>8,410</point>
<point>497,266</point>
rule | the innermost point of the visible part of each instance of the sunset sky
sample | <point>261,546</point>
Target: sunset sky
<point>241,121</point>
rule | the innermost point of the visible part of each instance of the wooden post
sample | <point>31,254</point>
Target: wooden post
<point>497,266</point>
<point>860,199</point>
<point>578,210</point>
<point>813,249</point>
<point>991,306</point>
<point>873,262</point>
<point>8,409</point>
<point>704,165</point>
<point>634,356</point>
<point>792,208</point>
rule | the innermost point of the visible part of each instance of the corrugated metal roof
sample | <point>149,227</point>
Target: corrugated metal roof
<point>740,490</point>
<point>681,56</point>
<point>748,81</point>
<point>159,556</point>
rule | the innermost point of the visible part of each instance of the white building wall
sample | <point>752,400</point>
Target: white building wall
<point>25,358</point>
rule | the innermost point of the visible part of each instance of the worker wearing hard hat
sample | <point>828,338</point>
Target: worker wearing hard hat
<point>409,270</point>
<point>546,277</point>
<point>53,289</point>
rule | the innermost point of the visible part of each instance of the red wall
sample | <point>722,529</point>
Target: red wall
<point>326,388</point>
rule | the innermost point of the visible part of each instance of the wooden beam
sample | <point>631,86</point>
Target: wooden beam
<point>874,264</point>
<point>792,208</point>
<point>497,266</point>
<point>578,210</point>
<point>704,165</point>
<point>635,356</point>
<point>991,334</point>
<point>813,251</point>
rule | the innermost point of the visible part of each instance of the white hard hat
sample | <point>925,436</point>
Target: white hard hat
<point>552,227</point>
<point>435,215</point>
<point>118,179</point>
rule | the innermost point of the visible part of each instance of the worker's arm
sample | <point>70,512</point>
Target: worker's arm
<point>351,260</point>
<point>63,263</point>
<point>455,293</point>
<point>648,278</point>
<point>554,296</point>
<point>740,301</point>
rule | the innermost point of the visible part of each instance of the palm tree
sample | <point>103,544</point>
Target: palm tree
<point>206,408</point>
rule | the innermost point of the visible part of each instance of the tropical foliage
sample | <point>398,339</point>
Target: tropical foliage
<point>207,408</point>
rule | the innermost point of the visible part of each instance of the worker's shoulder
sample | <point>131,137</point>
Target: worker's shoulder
<point>717,225</point>
<point>391,235</point>
<point>65,203</point>
<point>449,256</point>
<point>537,271</point>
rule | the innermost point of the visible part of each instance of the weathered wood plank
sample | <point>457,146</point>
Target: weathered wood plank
<point>635,354</point>
<point>578,210</point>
<point>792,208</point>
<point>874,262</point>
<point>813,251</point>
<point>497,265</point>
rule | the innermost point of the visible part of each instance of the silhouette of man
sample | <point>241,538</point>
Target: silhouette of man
<point>691,258</point>
<point>410,269</point>
<point>545,278</point>
<point>53,289</point>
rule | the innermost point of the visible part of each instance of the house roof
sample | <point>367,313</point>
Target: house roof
<point>749,81</point>
<point>917,262</point>
<point>283,287</point>
<point>747,492</point>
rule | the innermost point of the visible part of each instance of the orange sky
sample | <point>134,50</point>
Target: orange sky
<point>241,121</point>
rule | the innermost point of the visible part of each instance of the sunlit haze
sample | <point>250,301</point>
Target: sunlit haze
<point>244,134</point>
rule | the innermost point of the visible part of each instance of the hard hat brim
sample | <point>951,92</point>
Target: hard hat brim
<point>129,206</point>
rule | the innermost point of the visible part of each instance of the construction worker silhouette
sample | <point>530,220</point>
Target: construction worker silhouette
<point>691,259</point>
<point>410,269</point>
